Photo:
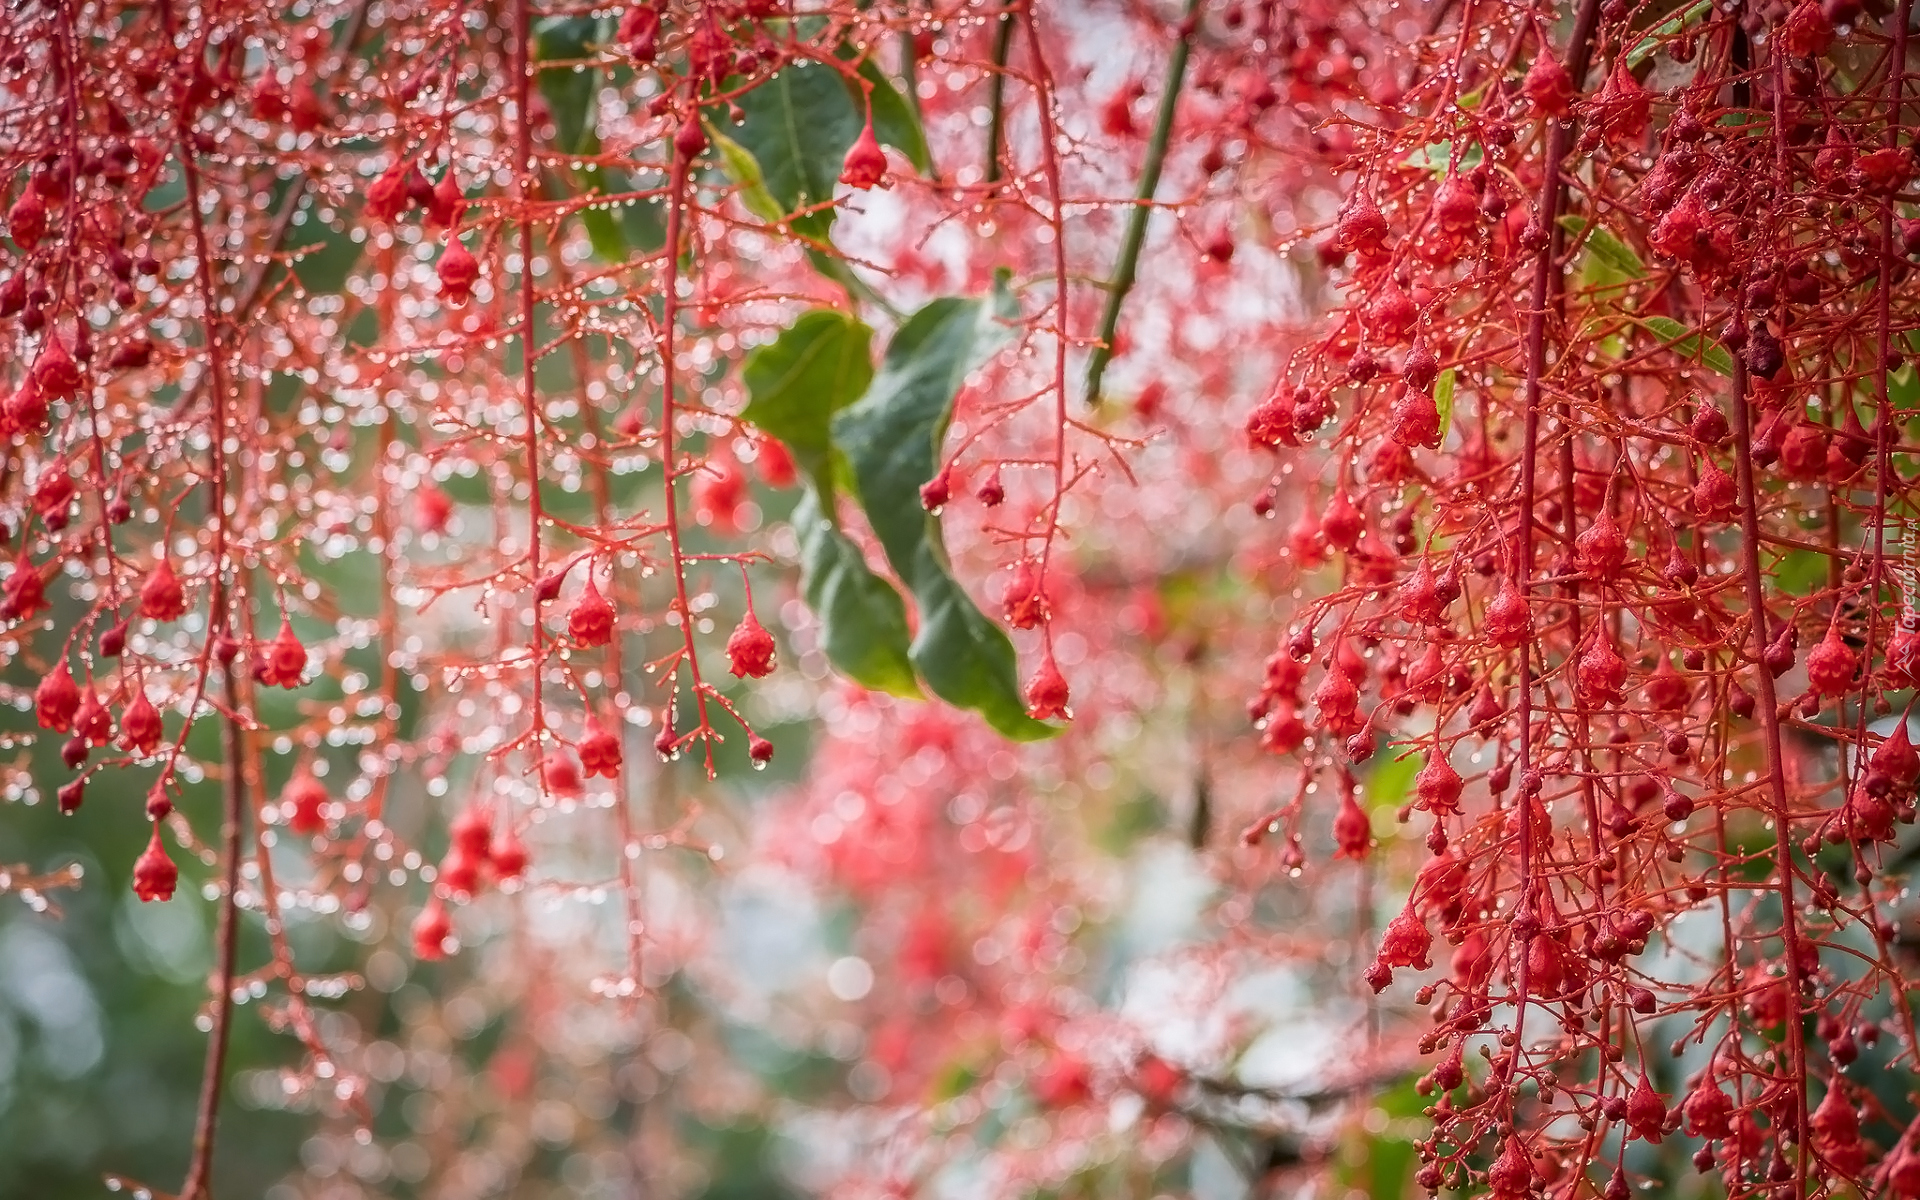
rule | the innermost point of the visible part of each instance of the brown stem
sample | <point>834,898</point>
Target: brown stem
<point>1768,710</point>
<point>1552,195</point>
<point>200,1167</point>
<point>227,940</point>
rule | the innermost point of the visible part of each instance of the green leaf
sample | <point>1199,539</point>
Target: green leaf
<point>815,368</point>
<point>1607,248</point>
<point>1799,572</point>
<point>1687,344</point>
<point>863,621</point>
<point>741,167</point>
<point>1443,400</point>
<point>964,656</point>
<point>1644,48</point>
<point>1438,157</point>
<point>1387,784</point>
<point>891,439</point>
<point>797,128</point>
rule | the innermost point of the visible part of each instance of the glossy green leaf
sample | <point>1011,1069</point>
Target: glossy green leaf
<point>788,150</point>
<point>1438,157</point>
<point>815,368</point>
<point>863,621</point>
<point>964,656</point>
<point>1689,345</point>
<point>1644,49</point>
<point>741,167</point>
<point>891,440</point>
<point>1607,248</point>
<point>1387,784</point>
<point>797,128</point>
<point>1443,400</point>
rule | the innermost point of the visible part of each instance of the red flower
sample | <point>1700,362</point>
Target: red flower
<point>54,371</point>
<point>1707,1109</point>
<point>560,773</point>
<point>1831,664</point>
<point>387,195</point>
<point>93,722</point>
<point>161,596</point>
<point>432,508</point>
<point>24,594</point>
<point>1047,694</point>
<point>472,830</point>
<point>508,855</point>
<point>775,464</point>
<point>1836,1131</point>
<point>1063,1082</point>
<point>26,408</point>
<point>1600,673</point>
<point>459,870</point>
<point>639,32</point>
<point>1352,832</point>
<point>27,219</point>
<point>591,621</point>
<point>154,875</point>
<point>600,750</point>
<point>1548,85</point>
<point>52,494</point>
<point>1646,1112</point>
<point>1512,1173</point>
<point>865,164</point>
<point>56,700</point>
<point>689,141</point>
<point>304,798</point>
<point>270,99</point>
<point>448,204</point>
<point>284,661</point>
<point>1406,942</point>
<point>431,929</point>
<point>750,648</point>
<point>140,724</point>
<point>458,272</point>
<point>1025,601</point>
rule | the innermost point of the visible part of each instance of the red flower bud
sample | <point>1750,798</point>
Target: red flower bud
<point>431,929</point>
<point>140,724</point>
<point>750,648</point>
<point>284,661</point>
<point>600,750</point>
<point>57,699</point>
<point>161,596</point>
<point>304,798</point>
<point>865,164</point>
<point>458,272</point>
<point>1548,86</point>
<point>591,621</point>
<point>154,875</point>
<point>1047,693</point>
